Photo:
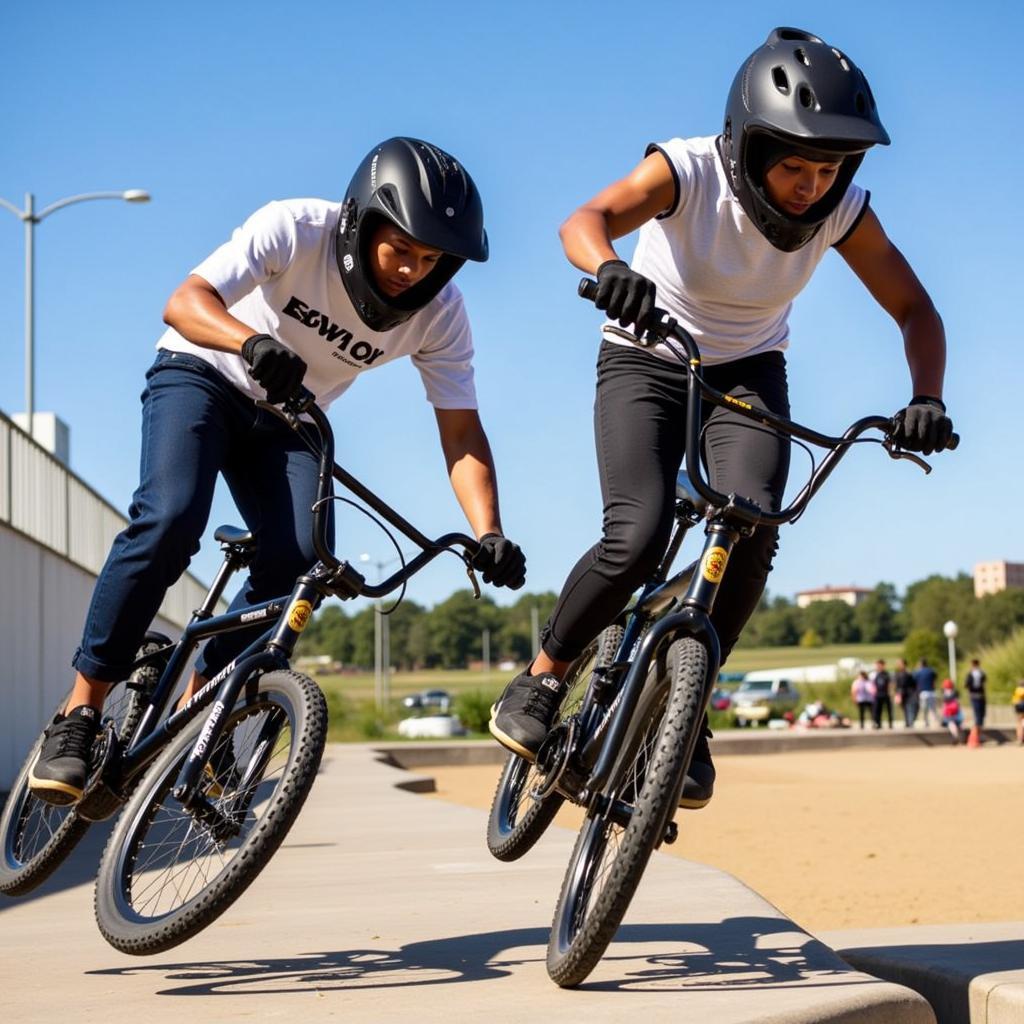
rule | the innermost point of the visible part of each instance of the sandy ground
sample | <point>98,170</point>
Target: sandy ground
<point>848,839</point>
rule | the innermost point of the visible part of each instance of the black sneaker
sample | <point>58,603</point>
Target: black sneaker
<point>62,766</point>
<point>522,716</point>
<point>699,786</point>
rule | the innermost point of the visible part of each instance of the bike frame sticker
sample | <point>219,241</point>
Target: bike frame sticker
<point>299,615</point>
<point>713,567</point>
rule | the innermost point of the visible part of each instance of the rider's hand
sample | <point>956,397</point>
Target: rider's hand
<point>500,561</point>
<point>624,294</point>
<point>923,425</point>
<point>275,368</point>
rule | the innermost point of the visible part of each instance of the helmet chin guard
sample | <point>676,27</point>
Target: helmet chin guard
<point>424,192</point>
<point>797,94</point>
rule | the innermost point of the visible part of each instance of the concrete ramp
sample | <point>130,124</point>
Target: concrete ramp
<point>968,972</point>
<point>386,906</point>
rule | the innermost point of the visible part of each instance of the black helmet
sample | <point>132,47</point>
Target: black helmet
<point>429,195</point>
<point>799,94</point>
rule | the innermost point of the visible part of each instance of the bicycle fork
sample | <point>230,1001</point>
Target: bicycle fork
<point>692,619</point>
<point>244,671</point>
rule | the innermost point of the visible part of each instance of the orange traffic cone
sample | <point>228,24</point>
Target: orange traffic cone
<point>974,737</point>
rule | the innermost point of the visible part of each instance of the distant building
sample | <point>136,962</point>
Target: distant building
<point>849,595</point>
<point>991,577</point>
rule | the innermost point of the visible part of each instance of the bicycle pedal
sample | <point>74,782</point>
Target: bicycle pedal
<point>671,834</point>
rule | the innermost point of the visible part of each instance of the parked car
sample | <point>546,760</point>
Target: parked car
<point>721,699</point>
<point>440,700</point>
<point>761,699</point>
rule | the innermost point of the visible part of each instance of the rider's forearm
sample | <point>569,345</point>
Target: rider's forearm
<point>476,487</point>
<point>924,341</point>
<point>199,315</point>
<point>467,454</point>
<point>586,240</point>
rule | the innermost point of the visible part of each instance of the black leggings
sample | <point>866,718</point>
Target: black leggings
<point>639,417</point>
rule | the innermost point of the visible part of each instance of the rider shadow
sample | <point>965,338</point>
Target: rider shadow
<point>747,952</point>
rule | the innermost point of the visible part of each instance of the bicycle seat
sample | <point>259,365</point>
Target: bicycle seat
<point>686,490</point>
<point>235,536</point>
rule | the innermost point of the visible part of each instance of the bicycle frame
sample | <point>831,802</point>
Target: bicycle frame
<point>288,615</point>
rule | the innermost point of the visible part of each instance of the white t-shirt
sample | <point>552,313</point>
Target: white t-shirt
<point>279,274</point>
<point>715,272</point>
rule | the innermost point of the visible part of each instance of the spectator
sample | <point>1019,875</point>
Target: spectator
<point>925,679</point>
<point>1018,707</point>
<point>975,686</point>
<point>952,716</point>
<point>818,715</point>
<point>862,690</point>
<point>883,699</point>
<point>906,692</point>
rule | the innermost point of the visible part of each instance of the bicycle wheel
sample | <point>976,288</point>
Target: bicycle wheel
<point>166,874</point>
<point>38,836</point>
<point>609,858</point>
<point>517,820</point>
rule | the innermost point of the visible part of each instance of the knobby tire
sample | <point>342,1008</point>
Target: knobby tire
<point>608,861</point>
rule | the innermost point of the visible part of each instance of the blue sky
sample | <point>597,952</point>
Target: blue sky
<point>218,108</point>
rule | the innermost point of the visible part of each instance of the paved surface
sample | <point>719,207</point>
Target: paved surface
<point>384,906</point>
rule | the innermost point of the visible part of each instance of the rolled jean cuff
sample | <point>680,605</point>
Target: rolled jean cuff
<point>100,671</point>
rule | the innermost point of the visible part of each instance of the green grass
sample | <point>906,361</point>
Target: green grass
<point>756,659</point>
<point>359,685</point>
<point>354,716</point>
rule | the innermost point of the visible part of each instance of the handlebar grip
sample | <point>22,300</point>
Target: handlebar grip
<point>300,401</point>
<point>587,289</point>
<point>953,443</point>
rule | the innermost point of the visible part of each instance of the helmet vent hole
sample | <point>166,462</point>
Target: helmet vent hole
<point>861,104</point>
<point>801,55</point>
<point>805,97</point>
<point>781,79</point>
<point>843,62</point>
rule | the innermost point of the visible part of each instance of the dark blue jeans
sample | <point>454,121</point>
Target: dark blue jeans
<point>195,425</point>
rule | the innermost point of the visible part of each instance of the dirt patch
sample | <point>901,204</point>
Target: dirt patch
<point>848,839</point>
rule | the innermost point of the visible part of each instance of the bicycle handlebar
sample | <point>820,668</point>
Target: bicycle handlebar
<point>303,403</point>
<point>663,327</point>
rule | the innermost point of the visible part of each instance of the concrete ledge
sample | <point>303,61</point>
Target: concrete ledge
<point>735,741</point>
<point>970,974</point>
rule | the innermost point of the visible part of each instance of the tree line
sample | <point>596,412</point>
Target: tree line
<point>451,633</point>
<point>882,617</point>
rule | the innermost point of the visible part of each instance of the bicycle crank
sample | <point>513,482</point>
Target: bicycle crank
<point>556,760</point>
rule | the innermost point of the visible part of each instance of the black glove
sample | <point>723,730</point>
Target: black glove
<point>500,561</point>
<point>923,426</point>
<point>275,368</point>
<point>624,295</point>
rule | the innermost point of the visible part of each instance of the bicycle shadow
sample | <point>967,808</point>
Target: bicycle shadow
<point>741,952</point>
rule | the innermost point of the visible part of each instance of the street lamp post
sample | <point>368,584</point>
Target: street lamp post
<point>951,629</point>
<point>381,639</point>
<point>30,219</point>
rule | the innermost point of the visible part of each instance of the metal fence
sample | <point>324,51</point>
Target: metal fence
<point>42,499</point>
